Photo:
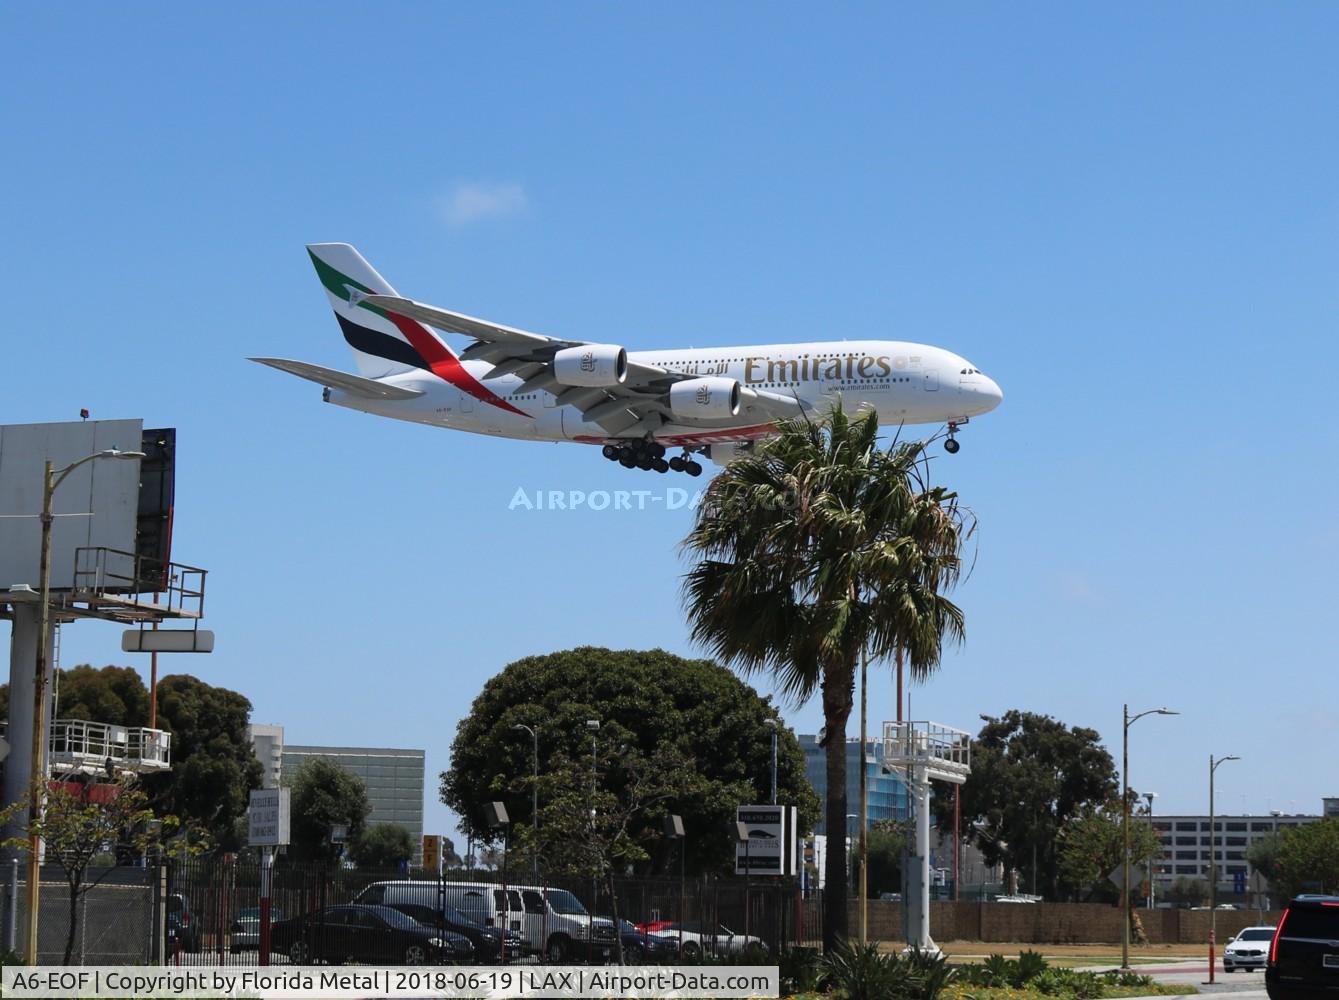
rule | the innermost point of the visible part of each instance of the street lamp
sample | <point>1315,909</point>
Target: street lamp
<point>1149,797</point>
<point>52,478</point>
<point>1213,866</point>
<point>1130,720</point>
<point>772,725</point>
<point>594,726</point>
<point>534,800</point>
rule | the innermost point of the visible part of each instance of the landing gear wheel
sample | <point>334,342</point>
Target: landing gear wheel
<point>645,463</point>
<point>692,468</point>
<point>951,446</point>
<point>610,452</point>
<point>657,450</point>
<point>660,465</point>
<point>627,461</point>
<point>676,463</point>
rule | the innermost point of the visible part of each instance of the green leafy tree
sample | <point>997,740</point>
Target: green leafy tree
<point>322,796</point>
<point>1187,892</point>
<point>885,846</point>
<point>818,546</point>
<point>590,824</point>
<point>113,695</point>
<point>1031,774</point>
<point>1265,856</point>
<point>79,820</point>
<point>214,767</point>
<point>382,845</point>
<point>450,857</point>
<point>644,701</point>
<point>1090,848</point>
<point>1308,858</point>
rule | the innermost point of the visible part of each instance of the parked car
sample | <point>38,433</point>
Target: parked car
<point>1248,950</point>
<point>246,928</point>
<point>366,934</point>
<point>183,930</point>
<point>487,941</point>
<point>1303,958</point>
<point>552,922</point>
<point>643,946</point>
<point>652,926</point>
<point>708,939</point>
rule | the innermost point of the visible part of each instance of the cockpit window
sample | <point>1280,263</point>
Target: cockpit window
<point>970,371</point>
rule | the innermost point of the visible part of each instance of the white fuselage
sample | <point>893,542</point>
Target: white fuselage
<point>905,383</point>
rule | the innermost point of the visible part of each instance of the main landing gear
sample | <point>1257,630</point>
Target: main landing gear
<point>648,456</point>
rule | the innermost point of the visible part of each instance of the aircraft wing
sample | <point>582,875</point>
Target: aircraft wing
<point>638,405</point>
<point>331,379</point>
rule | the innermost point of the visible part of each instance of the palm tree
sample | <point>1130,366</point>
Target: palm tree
<point>818,545</point>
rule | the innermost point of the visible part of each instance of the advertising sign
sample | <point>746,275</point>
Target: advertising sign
<point>267,818</point>
<point>771,845</point>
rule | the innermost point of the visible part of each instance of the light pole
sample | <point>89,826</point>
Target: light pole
<point>1130,720</point>
<point>1213,868</point>
<point>772,725</point>
<point>594,726</point>
<point>1149,797</point>
<point>850,855</point>
<point>534,800</point>
<point>52,478</point>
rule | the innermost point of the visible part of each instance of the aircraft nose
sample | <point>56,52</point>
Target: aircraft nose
<point>990,391</point>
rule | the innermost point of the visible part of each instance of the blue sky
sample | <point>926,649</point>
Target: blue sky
<point>1126,215</point>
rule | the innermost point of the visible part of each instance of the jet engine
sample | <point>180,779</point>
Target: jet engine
<point>709,398</point>
<point>591,364</point>
<point>724,454</point>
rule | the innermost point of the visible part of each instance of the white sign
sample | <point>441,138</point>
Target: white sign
<point>267,818</point>
<point>771,845</point>
<point>168,640</point>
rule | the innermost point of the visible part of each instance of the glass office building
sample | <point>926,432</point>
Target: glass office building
<point>887,795</point>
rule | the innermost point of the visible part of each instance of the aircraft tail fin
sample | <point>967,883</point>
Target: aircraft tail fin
<point>382,342</point>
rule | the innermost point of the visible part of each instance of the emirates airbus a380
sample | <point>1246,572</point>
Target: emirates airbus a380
<point>637,405</point>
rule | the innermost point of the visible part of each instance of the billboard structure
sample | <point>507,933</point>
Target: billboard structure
<point>96,506</point>
<point>770,847</point>
<point>110,544</point>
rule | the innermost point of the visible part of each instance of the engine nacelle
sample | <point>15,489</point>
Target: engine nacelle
<point>591,364</point>
<point>724,454</point>
<point>709,398</point>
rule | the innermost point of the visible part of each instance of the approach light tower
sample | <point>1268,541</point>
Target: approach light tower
<point>922,752</point>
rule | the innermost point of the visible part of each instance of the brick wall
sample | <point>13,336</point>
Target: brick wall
<point>1056,923</point>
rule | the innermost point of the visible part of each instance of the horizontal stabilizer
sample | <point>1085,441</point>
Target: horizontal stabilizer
<point>354,384</point>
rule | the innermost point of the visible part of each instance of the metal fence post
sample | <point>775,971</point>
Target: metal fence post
<point>160,915</point>
<point>12,906</point>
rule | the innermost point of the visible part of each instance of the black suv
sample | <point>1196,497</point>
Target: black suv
<point>1304,955</point>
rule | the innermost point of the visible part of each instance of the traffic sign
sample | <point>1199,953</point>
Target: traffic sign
<point>1118,876</point>
<point>432,853</point>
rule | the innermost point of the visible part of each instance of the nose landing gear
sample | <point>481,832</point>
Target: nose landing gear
<point>951,442</point>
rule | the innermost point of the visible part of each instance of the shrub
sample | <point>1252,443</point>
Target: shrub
<point>862,973</point>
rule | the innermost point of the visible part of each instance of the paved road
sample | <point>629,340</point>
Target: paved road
<point>1242,985</point>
